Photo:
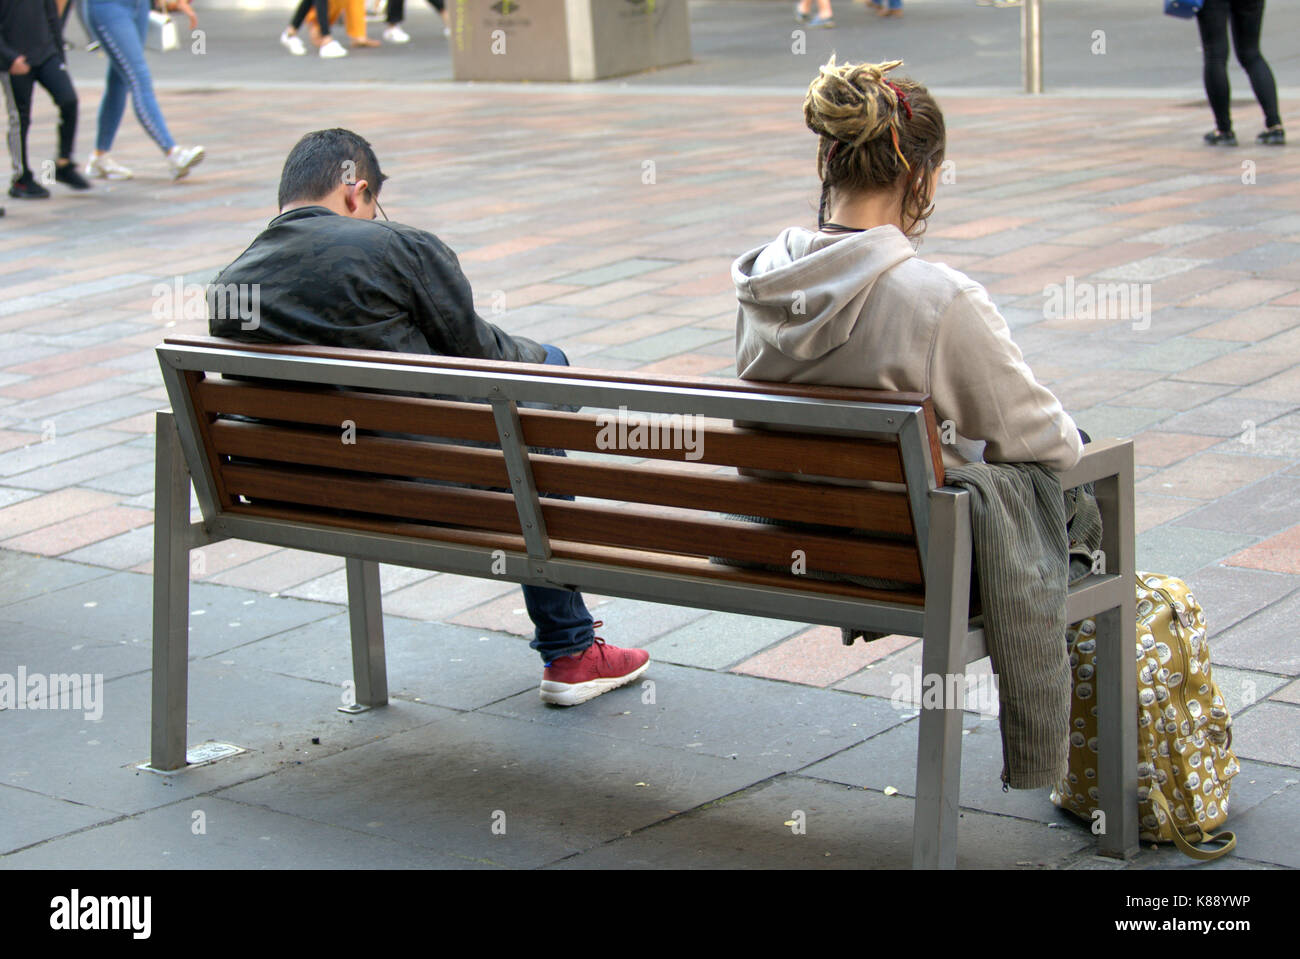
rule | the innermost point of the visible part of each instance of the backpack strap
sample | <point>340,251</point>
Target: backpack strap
<point>1227,841</point>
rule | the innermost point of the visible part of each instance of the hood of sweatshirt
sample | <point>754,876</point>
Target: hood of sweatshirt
<point>802,293</point>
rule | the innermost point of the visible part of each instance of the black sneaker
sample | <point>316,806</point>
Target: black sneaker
<point>1219,138</point>
<point>68,174</point>
<point>1273,136</point>
<point>26,188</point>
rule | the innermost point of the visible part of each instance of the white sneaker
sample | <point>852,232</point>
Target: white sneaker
<point>180,159</point>
<point>106,168</point>
<point>395,34</point>
<point>332,49</point>
<point>293,43</point>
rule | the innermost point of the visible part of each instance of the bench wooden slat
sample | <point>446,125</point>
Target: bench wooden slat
<point>725,445</point>
<point>619,526</point>
<point>370,411</point>
<point>600,555</point>
<point>719,443</point>
<point>369,454</point>
<point>873,510</point>
<point>477,509</point>
<point>203,418</point>
<point>639,528</point>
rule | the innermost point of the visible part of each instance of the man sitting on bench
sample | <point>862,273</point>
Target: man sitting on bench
<point>328,273</point>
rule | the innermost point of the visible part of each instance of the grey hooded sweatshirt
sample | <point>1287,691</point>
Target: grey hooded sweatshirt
<point>862,309</point>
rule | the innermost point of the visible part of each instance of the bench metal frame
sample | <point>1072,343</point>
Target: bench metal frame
<point>941,517</point>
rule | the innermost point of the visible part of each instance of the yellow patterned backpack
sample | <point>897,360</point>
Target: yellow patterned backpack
<point>1185,758</point>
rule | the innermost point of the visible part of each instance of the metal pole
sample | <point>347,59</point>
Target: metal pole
<point>1031,35</point>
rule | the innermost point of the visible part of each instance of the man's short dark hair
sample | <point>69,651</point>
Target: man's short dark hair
<point>322,160</point>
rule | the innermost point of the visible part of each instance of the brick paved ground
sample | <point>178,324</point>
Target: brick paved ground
<point>555,224</point>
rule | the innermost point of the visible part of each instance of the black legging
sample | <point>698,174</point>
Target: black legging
<point>1246,17</point>
<point>397,9</point>
<point>322,15</point>
<point>52,75</point>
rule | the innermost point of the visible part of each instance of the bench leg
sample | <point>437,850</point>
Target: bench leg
<point>943,661</point>
<point>1117,734</point>
<point>171,599</point>
<point>366,616</point>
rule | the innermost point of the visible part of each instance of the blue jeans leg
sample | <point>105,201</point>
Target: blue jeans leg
<point>562,625</point>
<point>120,26</point>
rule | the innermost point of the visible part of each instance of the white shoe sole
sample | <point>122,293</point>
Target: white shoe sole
<point>571,694</point>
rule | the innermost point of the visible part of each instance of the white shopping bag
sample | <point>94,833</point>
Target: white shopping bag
<point>162,32</point>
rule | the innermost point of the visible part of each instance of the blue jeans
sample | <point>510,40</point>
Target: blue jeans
<point>562,625</point>
<point>120,26</point>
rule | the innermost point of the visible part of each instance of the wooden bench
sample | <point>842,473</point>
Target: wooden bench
<point>323,449</point>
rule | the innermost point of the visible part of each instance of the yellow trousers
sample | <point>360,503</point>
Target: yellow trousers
<point>354,16</point>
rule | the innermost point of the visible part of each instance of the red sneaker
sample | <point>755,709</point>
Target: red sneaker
<point>600,667</point>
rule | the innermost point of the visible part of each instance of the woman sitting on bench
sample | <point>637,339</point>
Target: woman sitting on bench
<point>853,305</point>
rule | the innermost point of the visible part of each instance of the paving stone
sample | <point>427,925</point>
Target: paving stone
<point>1151,511</point>
<point>1229,594</point>
<point>99,414</point>
<point>1263,641</point>
<point>448,666</point>
<point>844,828</point>
<point>72,472</point>
<point>60,448</point>
<point>719,640</point>
<point>613,272</point>
<point>1261,509</point>
<point>31,818</point>
<point>1289,693</point>
<point>630,622</point>
<point>1227,416</point>
<point>9,496</point>
<point>1118,422</point>
<point>1243,688</point>
<point>776,726</point>
<point>662,345</point>
<point>442,786</point>
<point>441,597</point>
<point>1280,553</point>
<point>61,402</point>
<point>280,570</point>
<point>80,531</point>
<point>118,552</point>
<point>1208,476</point>
<point>60,754</point>
<point>1171,395</point>
<point>111,617</point>
<point>23,576</point>
<point>1273,440</point>
<point>897,678</point>
<point>1180,552</point>
<point>333,587</point>
<point>1259,829</point>
<point>889,760</point>
<point>1263,257</point>
<point>235,836</point>
<point>1177,320</point>
<point>818,657</point>
<point>1179,353</point>
<point>1163,449</point>
<point>35,512</point>
<point>1269,732</point>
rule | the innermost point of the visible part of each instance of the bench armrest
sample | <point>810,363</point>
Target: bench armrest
<point>1101,459</point>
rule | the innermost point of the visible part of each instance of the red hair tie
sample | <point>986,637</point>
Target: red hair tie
<point>902,97</point>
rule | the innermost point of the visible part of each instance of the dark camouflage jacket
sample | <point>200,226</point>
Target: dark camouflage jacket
<point>333,280</point>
